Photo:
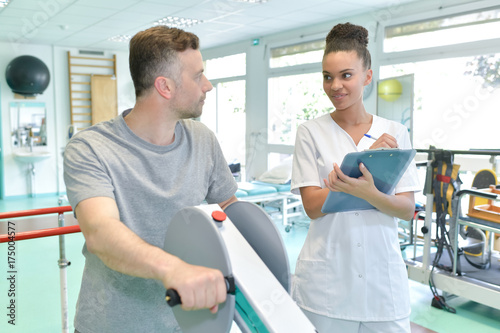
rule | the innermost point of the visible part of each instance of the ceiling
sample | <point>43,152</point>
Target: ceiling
<point>88,24</point>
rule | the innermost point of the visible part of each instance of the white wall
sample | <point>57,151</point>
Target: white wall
<point>48,173</point>
<point>257,148</point>
<point>258,67</point>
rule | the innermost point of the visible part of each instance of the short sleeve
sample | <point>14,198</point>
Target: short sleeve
<point>222,183</point>
<point>304,169</point>
<point>85,177</point>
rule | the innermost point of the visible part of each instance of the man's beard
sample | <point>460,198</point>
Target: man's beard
<point>189,113</point>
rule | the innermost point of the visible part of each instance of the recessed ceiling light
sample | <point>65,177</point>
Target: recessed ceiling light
<point>177,22</point>
<point>4,3</point>
<point>120,38</point>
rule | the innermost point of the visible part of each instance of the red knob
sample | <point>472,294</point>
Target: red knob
<point>219,215</point>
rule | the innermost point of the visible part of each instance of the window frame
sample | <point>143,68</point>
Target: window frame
<point>229,79</point>
<point>273,72</point>
<point>439,52</point>
<point>491,46</point>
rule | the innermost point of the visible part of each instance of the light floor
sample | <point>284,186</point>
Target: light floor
<point>38,291</point>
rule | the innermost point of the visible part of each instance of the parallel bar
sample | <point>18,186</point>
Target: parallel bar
<point>63,263</point>
<point>40,233</point>
<point>31,212</point>
<point>61,230</point>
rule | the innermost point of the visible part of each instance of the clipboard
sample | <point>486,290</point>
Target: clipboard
<point>387,166</point>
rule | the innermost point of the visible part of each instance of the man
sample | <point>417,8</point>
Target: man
<point>127,177</point>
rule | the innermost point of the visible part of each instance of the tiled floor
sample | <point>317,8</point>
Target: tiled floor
<point>38,291</point>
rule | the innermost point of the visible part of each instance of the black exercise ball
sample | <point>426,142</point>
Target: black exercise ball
<point>27,75</point>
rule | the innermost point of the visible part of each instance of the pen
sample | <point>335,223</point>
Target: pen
<point>371,136</point>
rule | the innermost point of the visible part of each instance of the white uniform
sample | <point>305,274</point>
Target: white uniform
<point>350,266</point>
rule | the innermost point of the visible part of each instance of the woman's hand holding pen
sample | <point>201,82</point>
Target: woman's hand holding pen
<point>384,141</point>
<point>362,187</point>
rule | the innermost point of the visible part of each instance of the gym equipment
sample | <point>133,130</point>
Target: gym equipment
<point>448,273</point>
<point>27,75</point>
<point>243,243</point>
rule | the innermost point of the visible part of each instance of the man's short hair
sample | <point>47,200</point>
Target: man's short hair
<point>153,53</point>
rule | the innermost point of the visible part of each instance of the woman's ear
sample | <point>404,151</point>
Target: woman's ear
<point>164,86</point>
<point>369,77</point>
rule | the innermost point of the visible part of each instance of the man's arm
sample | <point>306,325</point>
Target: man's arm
<point>122,250</point>
<point>226,203</point>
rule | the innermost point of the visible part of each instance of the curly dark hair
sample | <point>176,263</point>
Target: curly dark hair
<point>349,37</point>
<point>153,53</point>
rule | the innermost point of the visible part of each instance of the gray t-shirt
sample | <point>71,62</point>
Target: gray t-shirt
<point>149,183</point>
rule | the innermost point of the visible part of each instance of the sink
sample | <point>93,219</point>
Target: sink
<point>31,156</point>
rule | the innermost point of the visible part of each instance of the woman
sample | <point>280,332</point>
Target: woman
<point>350,275</point>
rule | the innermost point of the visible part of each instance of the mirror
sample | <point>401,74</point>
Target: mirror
<point>28,124</point>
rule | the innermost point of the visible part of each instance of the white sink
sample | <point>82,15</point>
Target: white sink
<point>31,156</point>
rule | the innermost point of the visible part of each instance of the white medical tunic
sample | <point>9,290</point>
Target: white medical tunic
<point>350,266</point>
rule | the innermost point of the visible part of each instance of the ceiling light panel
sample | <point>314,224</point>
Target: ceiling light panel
<point>177,22</point>
<point>120,38</point>
<point>251,1</point>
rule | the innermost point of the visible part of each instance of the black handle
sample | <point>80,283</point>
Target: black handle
<point>173,298</point>
<point>481,194</point>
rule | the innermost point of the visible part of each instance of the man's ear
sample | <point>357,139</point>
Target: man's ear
<point>165,86</point>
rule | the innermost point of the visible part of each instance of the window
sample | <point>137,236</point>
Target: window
<point>224,111</point>
<point>295,94</point>
<point>225,115</point>
<point>298,54</point>
<point>292,100</point>
<point>225,67</point>
<point>454,98</point>
<point>462,28</point>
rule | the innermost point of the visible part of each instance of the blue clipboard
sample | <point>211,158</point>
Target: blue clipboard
<point>387,166</point>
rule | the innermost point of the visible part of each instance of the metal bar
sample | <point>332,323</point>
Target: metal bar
<point>463,286</point>
<point>428,224</point>
<point>63,263</point>
<point>493,152</point>
<point>39,211</point>
<point>40,233</point>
